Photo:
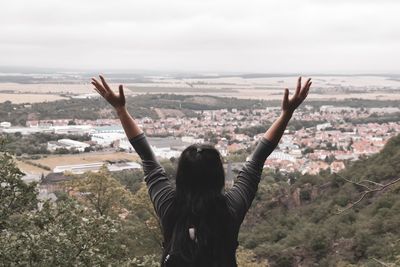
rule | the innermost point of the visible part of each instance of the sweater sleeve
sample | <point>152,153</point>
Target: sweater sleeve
<point>160,188</point>
<point>241,195</point>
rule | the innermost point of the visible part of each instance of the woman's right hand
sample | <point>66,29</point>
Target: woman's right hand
<point>117,101</point>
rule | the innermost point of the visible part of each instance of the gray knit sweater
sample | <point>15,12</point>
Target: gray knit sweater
<point>238,198</point>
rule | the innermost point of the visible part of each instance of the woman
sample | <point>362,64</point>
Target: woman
<point>200,222</point>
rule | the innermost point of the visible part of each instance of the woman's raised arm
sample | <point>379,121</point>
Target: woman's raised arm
<point>160,188</point>
<point>289,105</point>
<point>241,195</point>
<point>118,102</point>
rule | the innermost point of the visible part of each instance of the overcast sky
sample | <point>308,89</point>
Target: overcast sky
<point>341,36</point>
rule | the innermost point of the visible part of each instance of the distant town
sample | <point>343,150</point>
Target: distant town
<point>331,141</point>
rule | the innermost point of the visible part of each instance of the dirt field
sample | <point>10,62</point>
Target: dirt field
<point>27,168</point>
<point>29,98</point>
<point>277,95</point>
<point>46,88</point>
<point>328,87</point>
<point>53,161</point>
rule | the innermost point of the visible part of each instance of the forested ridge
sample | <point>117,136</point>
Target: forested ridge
<point>140,105</point>
<point>143,106</point>
<point>107,220</point>
<point>312,221</point>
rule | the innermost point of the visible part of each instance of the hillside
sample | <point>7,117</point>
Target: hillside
<point>307,223</point>
<point>152,105</point>
<point>140,105</point>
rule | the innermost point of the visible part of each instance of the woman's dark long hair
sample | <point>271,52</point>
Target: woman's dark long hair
<point>200,204</point>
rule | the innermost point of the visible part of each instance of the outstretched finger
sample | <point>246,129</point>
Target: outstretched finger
<point>305,87</point>
<point>298,86</point>
<point>306,94</point>
<point>98,86</point>
<point>309,85</point>
<point>104,83</point>
<point>285,98</point>
<point>121,91</point>
<point>307,82</point>
<point>97,83</point>
<point>98,91</point>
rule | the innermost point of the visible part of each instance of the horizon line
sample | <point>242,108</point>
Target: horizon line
<point>36,69</point>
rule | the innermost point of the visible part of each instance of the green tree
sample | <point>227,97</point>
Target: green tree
<point>16,197</point>
<point>140,231</point>
<point>65,232</point>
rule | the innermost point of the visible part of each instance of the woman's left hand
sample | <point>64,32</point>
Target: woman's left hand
<point>289,105</point>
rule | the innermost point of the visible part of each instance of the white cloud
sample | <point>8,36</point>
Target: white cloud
<point>211,35</point>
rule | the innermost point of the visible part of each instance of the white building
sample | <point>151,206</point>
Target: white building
<point>67,144</point>
<point>86,96</point>
<point>166,152</point>
<point>124,143</point>
<point>106,135</point>
<point>241,137</point>
<point>95,167</point>
<point>282,156</point>
<point>123,166</point>
<point>192,140</point>
<point>73,129</point>
<point>323,126</point>
<point>296,153</point>
<point>107,138</point>
<point>5,124</point>
<point>78,168</point>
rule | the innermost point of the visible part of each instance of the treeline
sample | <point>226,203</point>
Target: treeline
<point>311,222</point>
<point>375,118</point>
<point>143,106</point>
<point>293,125</point>
<point>175,101</point>
<point>140,106</point>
